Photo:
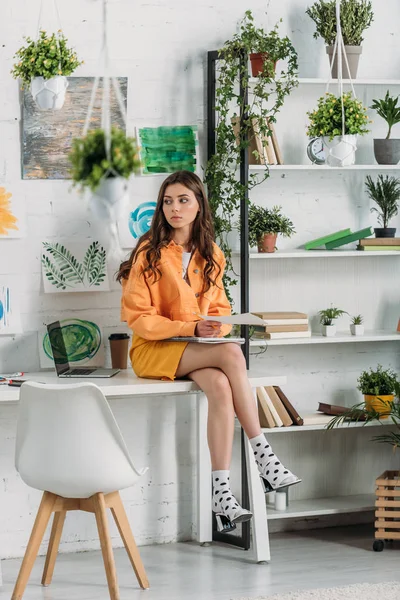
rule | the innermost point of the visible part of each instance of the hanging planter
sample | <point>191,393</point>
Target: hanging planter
<point>338,120</point>
<point>104,171</point>
<point>43,65</point>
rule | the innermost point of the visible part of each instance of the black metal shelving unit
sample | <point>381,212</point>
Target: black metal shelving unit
<point>242,541</point>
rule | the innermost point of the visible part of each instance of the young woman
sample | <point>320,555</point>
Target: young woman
<point>173,276</point>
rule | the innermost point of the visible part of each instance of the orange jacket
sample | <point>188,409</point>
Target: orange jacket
<point>170,307</point>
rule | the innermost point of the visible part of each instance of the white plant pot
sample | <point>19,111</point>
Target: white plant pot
<point>329,330</point>
<point>49,94</point>
<point>341,150</point>
<point>108,199</point>
<point>357,329</point>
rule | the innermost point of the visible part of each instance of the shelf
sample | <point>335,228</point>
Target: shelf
<point>300,253</point>
<point>341,337</point>
<point>313,167</point>
<point>324,506</point>
<point>322,427</point>
<point>324,81</point>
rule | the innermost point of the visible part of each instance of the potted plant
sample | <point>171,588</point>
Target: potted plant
<point>387,151</point>
<point>327,318</point>
<point>105,176</point>
<point>355,17</point>
<point>386,193</point>
<point>356,325</point>
<point>326,121</point>
<point>268,92</point>
<point>44,65</point>
<point>264,226</point>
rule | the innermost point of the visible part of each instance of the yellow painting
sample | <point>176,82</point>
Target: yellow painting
<point>8,221</point>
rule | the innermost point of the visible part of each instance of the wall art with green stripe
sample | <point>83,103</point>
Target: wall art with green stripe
<point>74,267</point>
<point>168,149</point>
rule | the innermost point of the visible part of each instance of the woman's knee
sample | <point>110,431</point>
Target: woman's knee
<point>232,356</point>
<point>218,384</point>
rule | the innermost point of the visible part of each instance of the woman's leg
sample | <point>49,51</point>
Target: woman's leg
<point>230,360</point>
<point>221,415</point>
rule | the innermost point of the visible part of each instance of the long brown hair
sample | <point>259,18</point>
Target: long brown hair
<point>160,233</point>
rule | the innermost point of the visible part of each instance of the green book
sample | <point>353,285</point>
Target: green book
<point>326,238</point>
<point>377,248</point>
<point>347,239</point>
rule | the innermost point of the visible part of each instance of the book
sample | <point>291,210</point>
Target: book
<point>290,322</point>
<point>268,146</point>
<point>294,415</point>
<point>252,142</point>
<point>347,239</point>
<point>270,318</point>
<point>205,340</point>
<point>331,409</point>
<point>287,335</point>
<point>377,248</point>
<point>280,328</point>
<point>275,143</point>
<point>380,242</point>
<point>265,400</point>
<point>280,409</point>
<point>312,244</point>
<point>317,419</point>
<point>264,413</point>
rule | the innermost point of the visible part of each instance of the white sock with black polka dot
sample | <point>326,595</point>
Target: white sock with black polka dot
<point>223,500</point>
<point>269,465</point>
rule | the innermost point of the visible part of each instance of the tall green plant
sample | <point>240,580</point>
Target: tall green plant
<point>386,193</point>
<point>389,111</point>
<point>268,93</point>
<point>355,17</point>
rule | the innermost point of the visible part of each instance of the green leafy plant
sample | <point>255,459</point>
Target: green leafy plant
<point>265,220</point>
<point>377,382</point>
<point>355,17</point>
<point>327,119</point>
<point>328,315</point>
<point>64,271</point>
<point>90,163</point>
<point>386,193</point>
<point>389,111</point>
<point>268,92</point>
<point>357,320</point>
<point>48,56</point>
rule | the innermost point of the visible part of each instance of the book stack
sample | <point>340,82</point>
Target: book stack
<point>281,325</point>
<point>339,238</point>
<point>274,408</point>
<point>378,244</point>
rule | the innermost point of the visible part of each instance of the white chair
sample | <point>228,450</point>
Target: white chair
<point>70,446</point>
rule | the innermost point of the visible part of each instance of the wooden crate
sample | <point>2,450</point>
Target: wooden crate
<point>387,512</point>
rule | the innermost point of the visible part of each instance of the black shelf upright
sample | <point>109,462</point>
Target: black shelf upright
<point>242,541</point>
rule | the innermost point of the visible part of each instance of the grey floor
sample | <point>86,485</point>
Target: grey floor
<point>186,571</point>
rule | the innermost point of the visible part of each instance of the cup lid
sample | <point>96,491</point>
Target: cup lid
<point>118,336</point>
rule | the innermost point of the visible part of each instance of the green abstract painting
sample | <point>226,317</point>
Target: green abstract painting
<point>83,341</point>
<point>168,149</point>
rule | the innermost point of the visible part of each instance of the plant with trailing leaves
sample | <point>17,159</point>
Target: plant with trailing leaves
<point>389,111</point>
<point>64,271</point>
<point>385,192</point>
<point>357,320</point>
<point>355,17</point>
<point>328,315</point>
<point>90,162</point>
<point>268,92</point>
<point>266,220</point>
<point>48,56</point>
<point>327,119</point>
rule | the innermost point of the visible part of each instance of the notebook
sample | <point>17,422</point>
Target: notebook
<point>205,340</point>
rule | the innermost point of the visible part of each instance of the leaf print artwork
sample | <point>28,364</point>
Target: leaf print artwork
<point>8,221</point>
<point>74,267</point>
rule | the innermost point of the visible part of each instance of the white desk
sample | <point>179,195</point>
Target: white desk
<point>126,384</point>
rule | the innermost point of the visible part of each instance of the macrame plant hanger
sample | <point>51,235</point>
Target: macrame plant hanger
<point>55,90</point>
<point>339,51</point>
<point>103,204</point>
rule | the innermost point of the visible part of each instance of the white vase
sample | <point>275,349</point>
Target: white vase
<point>107,200</point>
<point>49,94</point>
<point>341,150</point>
<point>357,329</point>
<point>329,330</point>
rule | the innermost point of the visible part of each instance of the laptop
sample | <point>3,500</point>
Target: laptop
<point>60,357</point>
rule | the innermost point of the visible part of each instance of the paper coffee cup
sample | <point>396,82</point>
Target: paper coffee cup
<point>119,346</point>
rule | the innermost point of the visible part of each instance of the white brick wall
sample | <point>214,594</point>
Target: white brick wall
<point>161,46</point>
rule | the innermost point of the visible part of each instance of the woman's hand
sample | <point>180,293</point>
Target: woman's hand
<point>208,329</point>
